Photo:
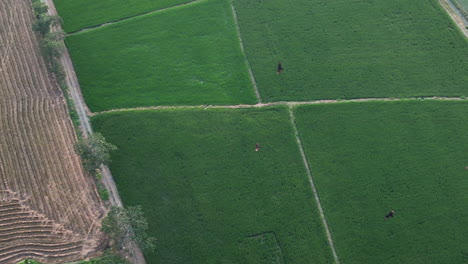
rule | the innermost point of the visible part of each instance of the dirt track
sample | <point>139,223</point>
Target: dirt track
<point>285,103</point>
<point>135,256</point>
<point>49,207</point>
<point>457,19</point>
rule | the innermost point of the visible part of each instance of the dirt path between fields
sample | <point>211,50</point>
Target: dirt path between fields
<point>241,42</point>
<point>292,118</point>
<point>456,16</point>
<point>136,255</point>
<point>285,103</point>
<point>131,17</point>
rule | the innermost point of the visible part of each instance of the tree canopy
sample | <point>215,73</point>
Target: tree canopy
<point>94,151</point>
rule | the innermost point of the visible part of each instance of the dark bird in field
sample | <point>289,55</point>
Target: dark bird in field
<point>280,68</point>
<point>257,147</point>
<point>390,214</point>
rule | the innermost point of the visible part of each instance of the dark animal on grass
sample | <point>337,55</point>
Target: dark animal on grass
<point>280,68</point>
<point>389,215</point>
<point>257,147</point>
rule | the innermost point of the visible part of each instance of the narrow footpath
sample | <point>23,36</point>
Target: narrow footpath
<point>136,255</point>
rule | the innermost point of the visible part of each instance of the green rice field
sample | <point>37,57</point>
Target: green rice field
<point>353,49</point>
<point>185,56</point>
<point>208,195</point>
<point>80,14</point>
<point>210,198</point>
<point>370,158</point>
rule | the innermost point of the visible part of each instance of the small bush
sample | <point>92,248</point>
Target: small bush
<point>39,8</point>
<point>94,151</point>
<point>109,258</point>
<point>44,22</point>
<point>103,193</point>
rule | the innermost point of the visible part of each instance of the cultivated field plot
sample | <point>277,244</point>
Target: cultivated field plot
<point>353,49</point>
<point>49,209</point>
<point>209,195</point>
<point>188,55</point>
<point>370,158</point>
<point>79,14</point>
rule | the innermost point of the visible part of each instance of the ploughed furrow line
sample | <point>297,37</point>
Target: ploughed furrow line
<point>56,152</point>
<point>7,34</point>
<point>58,248</point>
<point>49,207</point>
<point>40,256</point>
<point>35,234</point>
<point>79,202</point>
<point>26,70</point>
<point>33,238</point>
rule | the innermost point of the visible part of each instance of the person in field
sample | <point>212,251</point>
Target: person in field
<point>257,147</point>
<point>389,215</point>
<point>280,68</point>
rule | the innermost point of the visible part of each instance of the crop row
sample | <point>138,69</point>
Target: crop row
<point>48,205</point>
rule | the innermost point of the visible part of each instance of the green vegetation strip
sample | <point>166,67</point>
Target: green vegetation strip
<point>190,55</point>
<point>353,49</point>
<point>208,195</point>
<point>370,158</point>
<point>79,14</point>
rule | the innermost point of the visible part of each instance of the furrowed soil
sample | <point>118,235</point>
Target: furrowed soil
<point>49,208</point>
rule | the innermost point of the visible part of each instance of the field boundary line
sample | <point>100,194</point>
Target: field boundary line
<point>312,184</point>
<point>132,17</point>
<point>247,63</point>
<point>287,103</point>
<point>455,15</point>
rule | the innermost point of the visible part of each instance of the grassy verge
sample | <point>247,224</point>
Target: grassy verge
<point>370,158</point>
<point>79,14</point>
<point>190,55</point>
<point>208,195</point>
<point>343,49</point>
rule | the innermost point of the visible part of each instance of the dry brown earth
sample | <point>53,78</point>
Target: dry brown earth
<point>49,208</point>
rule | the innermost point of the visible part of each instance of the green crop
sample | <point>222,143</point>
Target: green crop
<point>189,55</point>
<point>353,49</point>
<point>79,14</point>
<point>208,195</point>
<point>370,158</point>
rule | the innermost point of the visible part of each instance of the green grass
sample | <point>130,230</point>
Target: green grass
<point>190,55</point>
<point>353,49</point>
<point>370,158</point>
<point>79,14</point>
<point>207,193</point>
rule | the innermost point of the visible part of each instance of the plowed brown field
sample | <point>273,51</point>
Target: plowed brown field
<point>49,208</point>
